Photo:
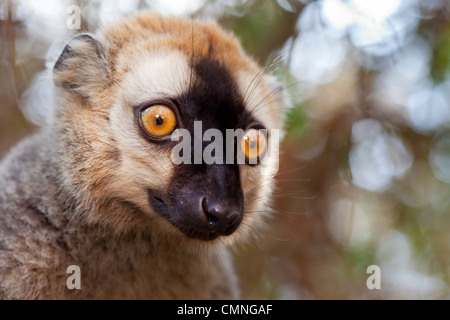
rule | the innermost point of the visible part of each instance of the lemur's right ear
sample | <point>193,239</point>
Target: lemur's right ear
<point>82,67</point>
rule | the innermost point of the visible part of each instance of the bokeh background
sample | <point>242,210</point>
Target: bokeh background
<point>364,177</point>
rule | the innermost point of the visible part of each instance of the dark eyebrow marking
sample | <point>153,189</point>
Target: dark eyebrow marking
<point>214,97</point>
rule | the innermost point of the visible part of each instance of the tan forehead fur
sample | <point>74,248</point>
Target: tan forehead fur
<point>146,31</point>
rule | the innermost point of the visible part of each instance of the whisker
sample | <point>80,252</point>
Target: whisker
<point>269,97</point>
<point>263,184</point>
<point>265,99</point>
<point>282,196</point>
<point>253,85</point>
<point>294,180</point>
<point>294,196</point>
<point>290,214</point>
<point>258,77</point>
<point>192,59</point>
<point>273,110</point>
<point>266,183</point>
<point>288,171</point>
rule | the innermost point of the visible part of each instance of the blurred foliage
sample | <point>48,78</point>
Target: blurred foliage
<point>295,121</point>
<point>365,172</point>
<point>440,68</point>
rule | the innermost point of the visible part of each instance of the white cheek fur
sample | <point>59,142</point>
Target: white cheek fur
<point>155,76</point>
<point>165,74</point>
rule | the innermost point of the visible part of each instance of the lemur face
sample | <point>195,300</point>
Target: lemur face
<point>141,82</point>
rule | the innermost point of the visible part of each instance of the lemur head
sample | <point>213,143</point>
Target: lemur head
<point>122,96</point>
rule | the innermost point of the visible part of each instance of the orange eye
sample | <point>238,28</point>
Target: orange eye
<point>158,120</point>
<point>253,145</point>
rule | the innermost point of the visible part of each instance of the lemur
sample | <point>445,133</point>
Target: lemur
<point>97,187</point>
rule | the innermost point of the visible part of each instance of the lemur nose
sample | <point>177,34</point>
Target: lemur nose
<point>221,219</point>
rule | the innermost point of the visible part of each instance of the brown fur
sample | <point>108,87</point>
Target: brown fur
<point>76,192</point>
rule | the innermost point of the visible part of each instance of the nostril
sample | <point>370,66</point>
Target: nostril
<point>204,208</point>
<point>212,214</point>
<point>211,218</point>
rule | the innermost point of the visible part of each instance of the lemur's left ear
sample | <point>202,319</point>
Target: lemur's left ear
<point>82,66</point>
